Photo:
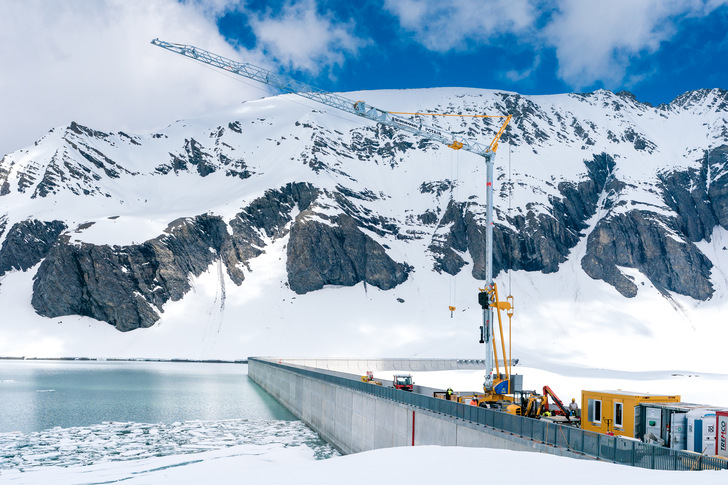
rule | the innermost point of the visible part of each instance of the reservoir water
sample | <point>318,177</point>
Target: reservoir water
<point>80,412</point>
<point>37,395</point>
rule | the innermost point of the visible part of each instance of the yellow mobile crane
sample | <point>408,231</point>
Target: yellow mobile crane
<point>497,385</point>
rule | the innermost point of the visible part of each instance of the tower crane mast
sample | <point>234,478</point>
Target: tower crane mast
<point>494,385</point>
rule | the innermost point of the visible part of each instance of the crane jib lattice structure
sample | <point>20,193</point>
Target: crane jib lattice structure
<point>488,297</point>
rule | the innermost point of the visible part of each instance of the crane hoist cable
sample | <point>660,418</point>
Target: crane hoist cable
<point>454,201</point>
<point>510,208</point>
<point>509,298</point>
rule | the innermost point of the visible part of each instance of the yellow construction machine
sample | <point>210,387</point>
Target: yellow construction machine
<point>533,405</point>
<point>370,379</point>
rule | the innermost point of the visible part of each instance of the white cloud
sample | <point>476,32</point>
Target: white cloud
<point>301,38</point>
<point>92,62</point>
<point>595,41</point>
<point>442,25</point>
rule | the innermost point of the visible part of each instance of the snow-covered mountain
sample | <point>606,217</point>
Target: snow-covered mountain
<point>283,227</point>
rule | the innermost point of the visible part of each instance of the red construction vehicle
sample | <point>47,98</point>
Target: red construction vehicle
<point>403,382</point>
<point>564,412</point>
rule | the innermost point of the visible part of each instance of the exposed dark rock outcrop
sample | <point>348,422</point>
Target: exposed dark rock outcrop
<point>646,241</point>
<point>5,166</point>
<point>661,246</point>
<point>127,286</point>
<point>536,241</point>
<point>446,247</point>
<point>337,252</point>
<point>265,217</point>
<point>699,197</point>
<point>194,155</point>
<point>27,242</point>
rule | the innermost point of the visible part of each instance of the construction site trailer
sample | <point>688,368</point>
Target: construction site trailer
<point>721,438</point>
<point>613,412</point>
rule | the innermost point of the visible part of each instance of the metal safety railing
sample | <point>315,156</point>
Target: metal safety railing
<point>596,445</point>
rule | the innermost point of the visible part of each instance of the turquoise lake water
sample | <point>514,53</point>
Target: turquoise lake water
<point>69,413</point>
<point>38,395</point>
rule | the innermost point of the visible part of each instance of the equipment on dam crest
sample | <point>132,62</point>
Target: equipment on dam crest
<point>547,391</point>
<point>370,379</point>
<point>348,418</point>
<point>403,382</point>
<point>533,405</point>
<point>499,387</point>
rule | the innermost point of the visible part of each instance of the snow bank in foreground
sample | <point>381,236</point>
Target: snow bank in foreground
<point>422,465</point>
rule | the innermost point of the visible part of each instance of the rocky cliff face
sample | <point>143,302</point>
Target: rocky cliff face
<point>355,203</point>
<point>27,243</point>
<point>127,286</point>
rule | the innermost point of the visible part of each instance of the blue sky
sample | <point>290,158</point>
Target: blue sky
<point>91,61</point>
<point>655,49</point>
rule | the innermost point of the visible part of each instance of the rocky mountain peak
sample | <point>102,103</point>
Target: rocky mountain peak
<point>631,185</point>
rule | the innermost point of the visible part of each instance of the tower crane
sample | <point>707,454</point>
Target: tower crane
<point>496,385</point>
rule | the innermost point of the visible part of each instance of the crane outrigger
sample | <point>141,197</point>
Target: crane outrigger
<point>497,385</point>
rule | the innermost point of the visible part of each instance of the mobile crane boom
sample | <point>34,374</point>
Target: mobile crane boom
<point>489,296</point>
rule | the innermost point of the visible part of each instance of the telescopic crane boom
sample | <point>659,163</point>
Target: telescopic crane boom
<point>289,85</point>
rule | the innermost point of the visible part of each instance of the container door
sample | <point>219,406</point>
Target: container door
<point>698,437</point>
<point>653,421</point>
<point>678,431</point>
<point>709,427</point>
<point>693,441</point>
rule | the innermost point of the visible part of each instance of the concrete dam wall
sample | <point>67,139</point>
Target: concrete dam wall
<point>355,416</point>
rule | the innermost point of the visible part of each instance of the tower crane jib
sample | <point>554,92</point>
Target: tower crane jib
<point>289,85</point>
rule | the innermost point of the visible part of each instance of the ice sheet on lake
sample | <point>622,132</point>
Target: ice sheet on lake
<point>130,441</point>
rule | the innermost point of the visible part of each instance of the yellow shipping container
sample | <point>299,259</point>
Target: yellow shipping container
<point>613,411</point>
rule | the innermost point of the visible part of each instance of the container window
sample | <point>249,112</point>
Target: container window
<point>594,410</point>
<point>618,415</point>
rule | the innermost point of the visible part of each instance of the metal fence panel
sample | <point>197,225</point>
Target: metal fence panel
<point>607,445</point>
<point>662,459</point>
<point>625,452</point>
<point>527,427</point>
